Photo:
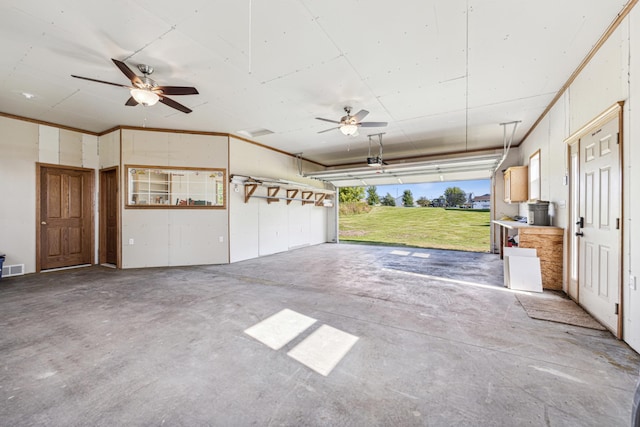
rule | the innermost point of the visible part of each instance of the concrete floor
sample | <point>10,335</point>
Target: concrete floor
<point>166,346</point>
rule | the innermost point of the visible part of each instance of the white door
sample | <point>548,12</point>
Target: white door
<point>599,244</point>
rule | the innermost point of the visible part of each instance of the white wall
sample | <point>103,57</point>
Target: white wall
<point>19,148</point>
<point>501,209</point>
<point>258,228</point>
<point>608,78</point>
<point>23,144</point>
<point>171,237</point>
<point>109,149</point>
<point>161,236</point>
<point>631,187</point>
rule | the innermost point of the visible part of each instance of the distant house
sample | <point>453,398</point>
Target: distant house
<point>482,202</point>
<point>438,203</point>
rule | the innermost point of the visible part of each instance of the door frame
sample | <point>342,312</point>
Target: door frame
<point>611,113</point>
<point>102,250</point>
<point>91,183</point>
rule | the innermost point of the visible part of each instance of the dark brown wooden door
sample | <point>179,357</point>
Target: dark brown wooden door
<point>65,217</point>
<point>109,216</point>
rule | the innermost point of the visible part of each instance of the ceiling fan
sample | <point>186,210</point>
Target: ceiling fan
<point>349,124</point>
<point>145,90</point>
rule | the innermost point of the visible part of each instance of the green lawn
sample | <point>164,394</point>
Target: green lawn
<point>420,227</point>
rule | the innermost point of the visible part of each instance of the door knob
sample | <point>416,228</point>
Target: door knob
<point>579,233</point>
<point>44,223</point>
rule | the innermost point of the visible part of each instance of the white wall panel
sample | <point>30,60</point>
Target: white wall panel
<point>196,150</point>
<point>164,237</point>
<point>145,148</point>
<point>500,208</point>
<point>70,148</point>
<point>299,223</point>
<point>109,149</point>
<point>631,189</point>
<point>610,77</point>
<point>602,83</point>
<point>91,159</point>
<point>273,228</point>
<point>243,226</point>
<point>194,237</point>
<point>258,228</point>
<point>149,229</point>
<point>319,224</point>
<point>48,144</point>
<point>29,143</point>
<point>18,202</point>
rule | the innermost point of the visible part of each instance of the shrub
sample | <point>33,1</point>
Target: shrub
<point>354,208</point>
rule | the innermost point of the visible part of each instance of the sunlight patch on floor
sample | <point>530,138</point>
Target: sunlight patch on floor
<point>321,351</point>
<point>276,331</point>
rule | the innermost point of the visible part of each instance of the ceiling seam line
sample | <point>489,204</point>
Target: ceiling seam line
<point>347,60</point>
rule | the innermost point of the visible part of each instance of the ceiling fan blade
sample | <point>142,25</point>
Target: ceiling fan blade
<point>360,115</point>
<point>327,120</point>
<point>177,90</point>
<point>372,124</point>
<point>327,130</point>
<point>173,104</point>
<point>131,102</point>
<point>100,81</point>
<point>128,72</point>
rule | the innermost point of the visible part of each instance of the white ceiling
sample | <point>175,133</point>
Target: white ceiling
<point>443,73</point>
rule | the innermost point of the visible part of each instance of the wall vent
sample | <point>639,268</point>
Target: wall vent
<point>12,270</point>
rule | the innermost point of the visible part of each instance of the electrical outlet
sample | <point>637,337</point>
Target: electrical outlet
<point>221,239</point>
<point>131,241</point>
<point>632,282</point>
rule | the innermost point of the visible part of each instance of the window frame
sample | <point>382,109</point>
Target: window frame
<point>165,197</point>
<point>535,187</point>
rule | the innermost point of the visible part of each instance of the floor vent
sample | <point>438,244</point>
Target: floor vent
<point>12,270</point>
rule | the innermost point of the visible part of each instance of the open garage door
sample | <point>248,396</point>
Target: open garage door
<point>444,169</point>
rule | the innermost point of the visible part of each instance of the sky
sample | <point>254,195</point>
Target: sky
<point>433,190</point>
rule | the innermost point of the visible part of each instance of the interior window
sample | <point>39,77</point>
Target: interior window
<point>165,187</point>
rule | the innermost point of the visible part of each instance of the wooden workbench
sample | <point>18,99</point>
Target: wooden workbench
<point>548,242</point>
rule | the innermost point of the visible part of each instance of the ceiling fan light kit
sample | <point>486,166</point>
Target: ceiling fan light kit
<point>145,97</point>
<point>349,129</point>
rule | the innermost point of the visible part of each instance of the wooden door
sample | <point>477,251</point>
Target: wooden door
<point>65,217</point>
<point>599,231</point>
<point>109,216</point>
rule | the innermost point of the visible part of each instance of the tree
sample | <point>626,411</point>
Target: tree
<point>454,196</point>
<point>423,201</point>
<point>351,194</point>
<point>372,196</point>
<point>388,200</point>
<point>407,199</point>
